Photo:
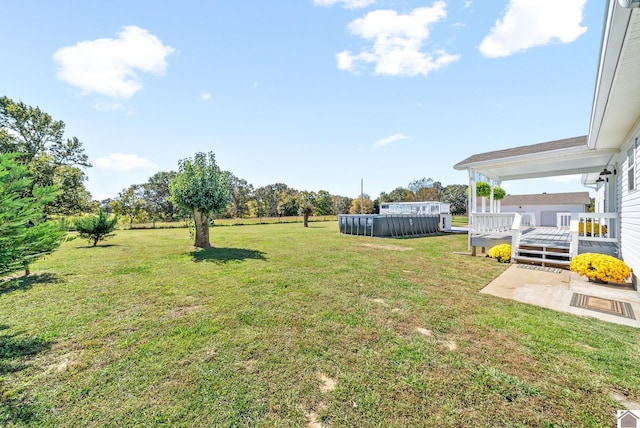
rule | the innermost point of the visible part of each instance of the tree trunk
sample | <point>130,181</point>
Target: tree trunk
<point>202,229</point>
<point>306,220</point>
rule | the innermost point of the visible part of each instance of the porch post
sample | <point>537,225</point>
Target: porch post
<point>491,201</point>
<point>471,204</point>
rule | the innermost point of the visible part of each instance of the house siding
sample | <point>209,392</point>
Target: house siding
<point>629,208</point>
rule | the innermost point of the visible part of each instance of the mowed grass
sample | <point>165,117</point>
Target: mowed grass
<point>281,325</point>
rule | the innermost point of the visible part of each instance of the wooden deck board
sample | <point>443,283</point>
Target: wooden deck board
<point>538,236</point>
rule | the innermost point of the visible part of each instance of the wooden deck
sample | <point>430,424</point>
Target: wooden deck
<point>548,236</point>
<point>544,236</point>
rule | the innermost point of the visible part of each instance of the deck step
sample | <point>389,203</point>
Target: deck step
<point>542,261</point>
<point>552,248</point>
<point>543,254</point>
<point>548,253</point>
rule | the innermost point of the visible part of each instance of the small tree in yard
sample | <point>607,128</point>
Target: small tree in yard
<point>201,188</point>
<point>306,211</point>
<point>96,227</point>
<point>24,234</point>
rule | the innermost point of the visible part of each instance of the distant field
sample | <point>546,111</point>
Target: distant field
<point>455,221</point>
<point>229,222</point>
<point>281,325</point>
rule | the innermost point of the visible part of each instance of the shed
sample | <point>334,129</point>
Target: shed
<point>545,206</point>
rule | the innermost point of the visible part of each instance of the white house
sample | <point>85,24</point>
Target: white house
<point>545,207</point>
<point>606,157</point>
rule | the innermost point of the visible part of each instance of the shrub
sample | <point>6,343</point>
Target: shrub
<point>96,227</point>
<point>591,229</point>
<point>600,266</point>
<point>501,252</point>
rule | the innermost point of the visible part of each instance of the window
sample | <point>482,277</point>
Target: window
<point>631,179</point>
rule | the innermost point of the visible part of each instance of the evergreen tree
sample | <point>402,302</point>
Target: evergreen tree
<point>24,235</point>
<point>96,227</point>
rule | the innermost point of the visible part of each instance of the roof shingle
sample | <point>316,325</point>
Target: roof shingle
<point>524,150</point>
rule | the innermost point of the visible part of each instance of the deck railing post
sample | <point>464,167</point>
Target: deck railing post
<point>515,235</point>
<point>575,239</point>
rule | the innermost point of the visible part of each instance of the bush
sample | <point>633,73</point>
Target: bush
<point>501,252</point>
<point>600,266</point>
<point>96,227</point>
<point>591,229</point>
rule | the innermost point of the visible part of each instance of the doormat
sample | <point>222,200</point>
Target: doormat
<point>540,268</point>
<point>606,306</point>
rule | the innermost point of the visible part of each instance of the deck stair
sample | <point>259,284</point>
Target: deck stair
<point>543,254</point>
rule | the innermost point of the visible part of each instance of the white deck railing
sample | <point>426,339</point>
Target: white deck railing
<point>594,227</point>
<point>528,219</point>
<point>504,223</point>
<point>515,235</point>
<point>490,222</point>
<point>563,221</point>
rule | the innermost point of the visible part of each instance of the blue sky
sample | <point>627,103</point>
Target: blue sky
<point>317,94</point>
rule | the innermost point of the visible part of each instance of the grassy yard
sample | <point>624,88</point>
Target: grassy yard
<point>285,326</point>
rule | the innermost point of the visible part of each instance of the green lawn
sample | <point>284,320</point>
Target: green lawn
<point>283,326</point>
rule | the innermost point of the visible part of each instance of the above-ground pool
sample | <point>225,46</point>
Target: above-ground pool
<point>388,225</point>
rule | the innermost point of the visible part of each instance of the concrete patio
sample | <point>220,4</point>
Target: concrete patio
<point>555,289</point>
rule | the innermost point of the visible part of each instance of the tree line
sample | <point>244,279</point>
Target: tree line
<point>42,174</point>
<point>54,160</point>
<point>152,201</point>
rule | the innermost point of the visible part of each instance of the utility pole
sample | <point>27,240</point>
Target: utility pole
<point>361,196</point>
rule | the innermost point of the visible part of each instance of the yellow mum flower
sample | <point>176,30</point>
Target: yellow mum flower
<point>501,252</point>
<point>600,266</point>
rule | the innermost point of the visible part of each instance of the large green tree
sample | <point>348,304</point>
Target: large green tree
<point>239,196</point>
<point>323,203</point>
<point>51,158</point>
<point>130,203</point>
<point>399,194</point>
<point>269,198</point>
<point>456,195</point>
<point>201,187</point>
<point>157,196</point>
<point>24,235</point>
<point>341,204</point>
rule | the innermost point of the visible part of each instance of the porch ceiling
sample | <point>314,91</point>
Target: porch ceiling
<point>543,163</point>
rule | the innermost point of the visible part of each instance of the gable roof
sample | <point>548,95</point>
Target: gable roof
<point>560,157</point>
<point>566,143</point>
<point>572,198</point>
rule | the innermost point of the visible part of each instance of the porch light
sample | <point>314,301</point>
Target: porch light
<point>600,180</point>
<point>605,171</point>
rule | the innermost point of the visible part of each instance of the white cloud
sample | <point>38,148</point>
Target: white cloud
<point>397,42</point>
<point>108,106</point>
<point>205,96</point>
<point>527,23</point>
<point>348,4</point>
<point>388,140</point>
<point>109,66</point>
<point>123,162</point>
